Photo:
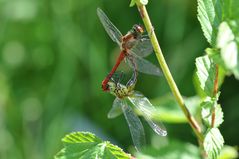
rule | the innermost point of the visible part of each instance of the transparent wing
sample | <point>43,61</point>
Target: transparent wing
<point>118,76</point>
<point>112,31</point>
<point>146,109</point>
<point>135,126</point>
<point>116,109</point>
<point>143,47</point>
<point>143,65</point>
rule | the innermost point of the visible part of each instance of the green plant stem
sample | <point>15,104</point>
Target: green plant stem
<point>215,90</point>
<point>193,123</point>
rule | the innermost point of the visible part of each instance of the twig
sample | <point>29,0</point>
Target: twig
<point>215,90</point>
<point>193,123</point>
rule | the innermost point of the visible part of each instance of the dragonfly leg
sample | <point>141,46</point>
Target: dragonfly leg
<point>121,77</point>
<point>133,79</point>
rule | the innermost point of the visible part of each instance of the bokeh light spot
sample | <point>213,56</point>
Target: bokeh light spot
<point>32,109</point>
<point>13,53</point>
<point>20,9</point>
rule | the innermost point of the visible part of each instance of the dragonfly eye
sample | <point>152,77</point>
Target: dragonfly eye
<point>138,28</point>
<point>111,85</point>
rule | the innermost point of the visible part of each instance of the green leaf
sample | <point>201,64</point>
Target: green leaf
<point>213,143</point>
<point>210,16</point>
<point>209,105</point>
<point>174,150</point>
<point>231,9</point>
<point>206,73</point>
<point>86,145</point>
<point>228,152</point>
<point>214,54</point>
<point>228,44</point>
<point>197,86</point>
<point>169,110</point>
<point>144,2</point>
<point>133,2</point>
<point>81,137</point>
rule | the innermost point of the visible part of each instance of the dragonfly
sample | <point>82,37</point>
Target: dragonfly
<point>127,96</point>
<point>134,44</point>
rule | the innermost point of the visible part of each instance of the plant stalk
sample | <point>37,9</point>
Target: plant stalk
<point>215,90</point>
<point>193,123</point>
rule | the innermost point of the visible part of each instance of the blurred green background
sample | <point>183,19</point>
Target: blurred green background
<point>54,55</point>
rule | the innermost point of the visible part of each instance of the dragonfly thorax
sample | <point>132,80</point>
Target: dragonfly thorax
<point>132,37</point>
<point>128,41</point>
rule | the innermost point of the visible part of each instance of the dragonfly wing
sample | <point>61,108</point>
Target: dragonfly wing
<point>116,109</point>
<point>112,31</point>
<point>135,126</point>
<point>157,127</point>
<point>143,65</point>
<point>143,47</point>
<point>146,109</point>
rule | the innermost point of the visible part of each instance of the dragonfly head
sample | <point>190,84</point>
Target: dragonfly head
<point>111,87</point>
<point>138,29</point>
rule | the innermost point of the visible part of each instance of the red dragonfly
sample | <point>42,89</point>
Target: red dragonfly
<point>134,46</point>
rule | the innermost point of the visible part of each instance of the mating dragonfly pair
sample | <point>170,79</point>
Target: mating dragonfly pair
<point>134,46</point>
